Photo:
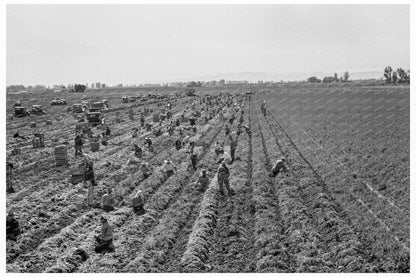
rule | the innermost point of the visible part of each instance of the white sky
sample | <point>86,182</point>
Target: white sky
<point>54,44</point>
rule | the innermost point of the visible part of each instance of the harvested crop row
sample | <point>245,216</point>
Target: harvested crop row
<point>157,243</point>
<point>149,185</point>
<point>223,236</point>
<point>165,144</point>
<point>172,262</point>
<point>369,231</point>
<point>270,241</point>
<point>49,225</point>
<point>160,199</point>
<point>337,239</point>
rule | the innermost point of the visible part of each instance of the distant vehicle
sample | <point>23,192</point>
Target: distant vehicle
<point>190,92</point>
<point>125,99</point>
<point>77,108</point>
<point>105,101</point>
<point>138,96</point>
<point>100,105</point>
<point>17,104</point>
<point>84,97</point>
<point>132,98</point>
<point>20,111</point>
<point>94,109</point>
<point>94,118</point>
<point>59,102</point>
<point>38,110</point>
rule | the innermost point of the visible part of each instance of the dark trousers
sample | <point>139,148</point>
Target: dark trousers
<point>169,173</point>
<point>194,159</point>
<point>232,153</point>
<point>103,245</point>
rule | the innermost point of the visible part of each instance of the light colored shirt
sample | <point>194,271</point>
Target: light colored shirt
<point>168,167</point>
<point>108,200</point>
<point>106,232</point>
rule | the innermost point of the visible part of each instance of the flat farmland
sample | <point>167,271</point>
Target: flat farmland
<point>343,205</point>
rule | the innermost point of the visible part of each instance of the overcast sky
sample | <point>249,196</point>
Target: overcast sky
<point>54,44</point>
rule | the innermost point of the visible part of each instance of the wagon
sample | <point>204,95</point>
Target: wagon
<point>38,110</point>
<point>94,118</point>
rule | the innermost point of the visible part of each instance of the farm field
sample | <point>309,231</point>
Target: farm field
<point>343,205</point>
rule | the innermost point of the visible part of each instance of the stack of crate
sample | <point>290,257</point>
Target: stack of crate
<point>32,124</point>
<point>61,156</point>
<point>155,118</point>
<point>48,122</point>
<point>77,175</point>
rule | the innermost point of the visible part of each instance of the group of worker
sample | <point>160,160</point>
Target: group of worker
<point>168,168</point>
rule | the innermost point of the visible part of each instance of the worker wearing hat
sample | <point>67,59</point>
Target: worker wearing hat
<point>105,239</point>
<point>203,181</point>
<point>89,177</point>
<point>278,166</point>
<point>168,168</point>
<point>138,202</point>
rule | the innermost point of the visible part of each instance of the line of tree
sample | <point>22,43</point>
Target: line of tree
<point>330,79</point>
<point>398,76</point>
<point>79,88</point>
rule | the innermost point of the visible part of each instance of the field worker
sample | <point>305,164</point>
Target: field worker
<point>12,227</point>
<point>278,166</point>
<point>148,142</point>
<point>138,152</point>
<point>218,148</point>
<point>142,120</point>
<point>178,144</point>
<point>170,130</point>
<point>177,122</point>
<point>233,146</point>
<point>223,174</point>
<point>168,168</point>
<point>138,202</point>
<point>232,118</point>
<point>9,176</point>
<point>263,107</point>
<point>227,130</point>
<point>192,121</point>
<point>108,131</point>
<point>108,201</point>
<point>145,169</point>
<point>247,130</point>
<point>193,154</point>
<point>89,178</point>
<point>105,239</point>
<point>203,181</point>
<point>135,132</point>
<point>185,140</point>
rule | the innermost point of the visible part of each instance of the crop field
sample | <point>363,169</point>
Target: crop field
<point>342,206</point>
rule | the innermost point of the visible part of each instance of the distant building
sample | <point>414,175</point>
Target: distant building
<point>98,85</point>
<point>103,86</point>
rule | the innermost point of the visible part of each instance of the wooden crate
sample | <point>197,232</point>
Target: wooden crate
<point>61,155</point>
<point>32,124</point>
<point>155,118</point>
